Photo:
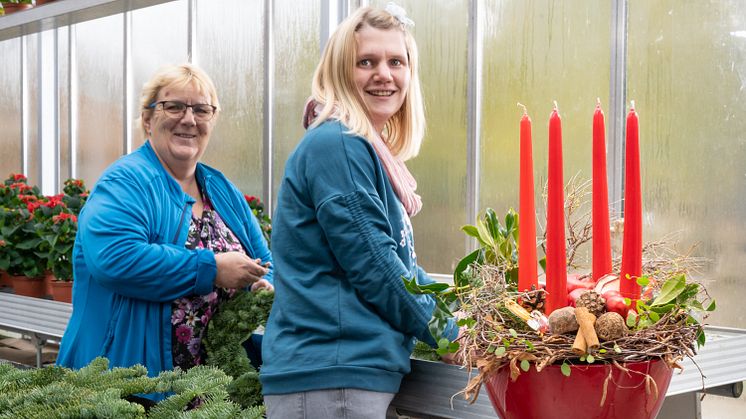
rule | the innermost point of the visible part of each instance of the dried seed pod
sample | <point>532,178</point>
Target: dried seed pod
<point>593,301</point>
<point>563,321</point>
<point>611,326</point>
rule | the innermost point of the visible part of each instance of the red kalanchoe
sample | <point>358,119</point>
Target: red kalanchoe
<point>32,206</point>
<point>27,198</point>
<point>2,243</point>
<point>250,198</point>
<point>18,177</point>
<point>64,216</point>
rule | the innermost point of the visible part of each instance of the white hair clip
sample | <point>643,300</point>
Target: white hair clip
<point>399,13</point>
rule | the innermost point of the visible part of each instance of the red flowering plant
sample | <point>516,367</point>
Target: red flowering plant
<point>75,195</point>
<point>18,201</point>
<point>257,208</point>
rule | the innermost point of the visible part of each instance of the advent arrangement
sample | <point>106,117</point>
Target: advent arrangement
<point>573,341</point>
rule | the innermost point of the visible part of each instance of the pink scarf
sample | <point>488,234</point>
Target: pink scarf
<point>401,179</point>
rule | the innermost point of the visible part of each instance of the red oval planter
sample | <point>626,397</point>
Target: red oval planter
<point>549,394</point>
<point>29,287</point>
<point>15,7</point>
<point>62,291</point>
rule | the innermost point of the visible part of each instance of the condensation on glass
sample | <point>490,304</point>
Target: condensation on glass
<point>230,47</point>
<point>10,107</point>
<point>296,53</point>
<point>535,53</point>
<point>687,73</point>
<point>156,42</point>
<point>63,103</point>
<point>99,59</point>
<point>33,144</point>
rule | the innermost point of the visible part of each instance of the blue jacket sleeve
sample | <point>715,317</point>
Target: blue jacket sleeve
<point>121,250</point>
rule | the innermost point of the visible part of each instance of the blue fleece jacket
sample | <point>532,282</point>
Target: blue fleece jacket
<point>130,262</point>
<point>342,243</point>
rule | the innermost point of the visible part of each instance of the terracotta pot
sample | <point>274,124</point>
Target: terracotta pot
<point>29,287</point>
<point>15,7</point>
<point>40,2</point>
<point>549,394</point>
<point>62,291</point>
<point>49,278</point>
<point>5,280</point>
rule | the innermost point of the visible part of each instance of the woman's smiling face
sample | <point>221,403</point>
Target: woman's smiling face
<point>381,72</point>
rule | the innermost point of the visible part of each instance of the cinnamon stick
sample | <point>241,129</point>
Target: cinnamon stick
<point>586,320</point>
<point>579,347</point>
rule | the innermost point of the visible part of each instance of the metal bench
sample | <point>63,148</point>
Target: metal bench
<point>37,318</point>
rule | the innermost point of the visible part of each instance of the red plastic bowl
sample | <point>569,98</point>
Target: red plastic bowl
<point>549,394</point>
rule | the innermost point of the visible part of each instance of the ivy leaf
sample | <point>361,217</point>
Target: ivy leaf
<point>513,333</point>
<point>525,365</point>
<point>631,319</point>
<point>500,351</point>
<point>565,368</point>
<point>617,349</point>
<point>643,281</point>
<point>590,359</point>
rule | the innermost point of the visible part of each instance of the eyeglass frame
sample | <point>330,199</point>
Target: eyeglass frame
<point>155,104</point>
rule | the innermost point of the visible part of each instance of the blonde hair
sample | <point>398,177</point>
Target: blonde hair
<point>181,75</point>
<point>334,88</point>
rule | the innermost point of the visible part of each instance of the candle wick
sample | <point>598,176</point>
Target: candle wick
<point>598,102</point>
<point>632,106</point>
<point>525,111</point>
<point>555,106</point>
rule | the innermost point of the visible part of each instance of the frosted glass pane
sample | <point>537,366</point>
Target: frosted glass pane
<point>687,66</point>
<point>159,37</point>
<point>440,169</point>
<point>230,47</point>
<point>63,90</point>
<point>534,53</point>
<point>296,55</point>
<point>33,171</point>
<point>100,65</point>
<point>10,107</point>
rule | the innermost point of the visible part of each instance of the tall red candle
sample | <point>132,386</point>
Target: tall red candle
<point>556,270</point>
<point>601,235</point>
<point>632,244</point>
<point>527,211</point>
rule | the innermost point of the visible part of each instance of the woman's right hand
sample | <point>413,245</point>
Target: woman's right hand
<point>236,270</point>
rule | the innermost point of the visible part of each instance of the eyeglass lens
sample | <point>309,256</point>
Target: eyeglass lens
<point>202,111</point>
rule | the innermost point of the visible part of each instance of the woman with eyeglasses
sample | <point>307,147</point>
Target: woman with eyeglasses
<point>163,239</point>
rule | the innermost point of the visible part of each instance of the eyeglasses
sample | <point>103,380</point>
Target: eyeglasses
<point>175,109</point>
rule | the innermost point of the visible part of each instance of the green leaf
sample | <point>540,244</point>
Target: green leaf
<point>670,290</point>
<point>643,281</point>
<point>627,301</point>
<point>701,338</point>
<point>631,319</point>
<point>602,351</point>
<point>653,316</point>
<point>470,230</point>
<point>458,278</point>
<point>711,307</point>
<point>582,358</point>
<point>513,333</point>
<point>565,368</point>
<point>529,345</point>
<point>617,349</point>
<point>590,359</point>
<point>500,351</point>
<point>525,365</point>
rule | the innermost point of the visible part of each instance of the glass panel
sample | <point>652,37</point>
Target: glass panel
<point>33,171</point>
<point>63,90</point>
<point>687,66</point>
<point>100,63</point>
<point>440,169</point>
<point>10,107</point>
<point>155,42</point>
<point>230,47</point>
<point>296,41</point>
<point>535,53</point>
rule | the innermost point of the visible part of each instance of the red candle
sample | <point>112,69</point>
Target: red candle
<point>601,239</point>
<point>527,213</point>
<point>556,252</point>
<point>632,244</point>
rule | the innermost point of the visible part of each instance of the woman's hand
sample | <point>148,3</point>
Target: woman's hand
<point>262,284</point>
<point>236,270</point>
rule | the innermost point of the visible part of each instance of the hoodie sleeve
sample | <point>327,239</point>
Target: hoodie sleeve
<point>117,233</point>
<point>343,181</point>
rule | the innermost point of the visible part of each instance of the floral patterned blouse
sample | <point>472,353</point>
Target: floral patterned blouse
<point>191,314</point>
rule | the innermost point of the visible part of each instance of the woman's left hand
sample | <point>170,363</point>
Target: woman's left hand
<point>262,284</point>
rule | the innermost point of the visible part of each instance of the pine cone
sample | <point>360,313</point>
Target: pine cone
<point>593,301</point>
<point>533,299</point>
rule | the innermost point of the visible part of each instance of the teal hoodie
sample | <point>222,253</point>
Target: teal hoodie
<point>342,242</point>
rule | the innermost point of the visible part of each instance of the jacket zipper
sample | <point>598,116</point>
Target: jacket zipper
<point>181,221</point>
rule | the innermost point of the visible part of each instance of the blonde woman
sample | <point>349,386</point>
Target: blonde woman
<point>342,326</point>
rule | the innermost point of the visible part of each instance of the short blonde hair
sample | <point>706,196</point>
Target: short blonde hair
<point>334,87</point>
<point>181,75</point>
